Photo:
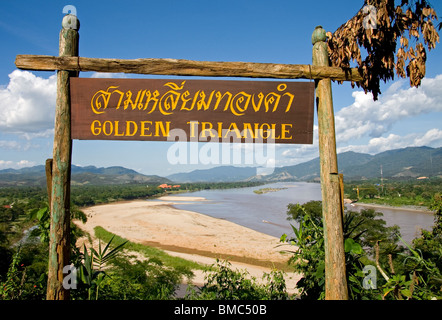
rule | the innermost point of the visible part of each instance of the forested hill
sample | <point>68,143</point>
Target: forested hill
<point>412,162</point>
<point>90,175</point>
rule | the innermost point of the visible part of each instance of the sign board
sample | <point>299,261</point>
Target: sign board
<point>192,110</point>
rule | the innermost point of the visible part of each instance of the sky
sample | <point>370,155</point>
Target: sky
<point>276,31</point>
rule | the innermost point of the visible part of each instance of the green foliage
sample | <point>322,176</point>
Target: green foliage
<point>169,261</point>
<point>308,257</point>
<point>43,216</point>
<point>23,274</point>
<point>414,270</point>
<point>91,270</point>
<point>132,279</point>
<point>395,192</point>
<point>224,283</point>
<point>297,212</point>
<point>155,277</point>
<point>22,282</point>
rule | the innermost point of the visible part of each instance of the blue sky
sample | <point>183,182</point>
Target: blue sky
<point>273,31</point>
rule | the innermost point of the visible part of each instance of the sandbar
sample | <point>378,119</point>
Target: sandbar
<point>159,224</point>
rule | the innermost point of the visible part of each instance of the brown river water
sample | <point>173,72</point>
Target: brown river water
<point>267,212</point>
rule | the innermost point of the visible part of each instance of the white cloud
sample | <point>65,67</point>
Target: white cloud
<point>108,75</point>
<point>431,138</point>
<point>42,134</point>
<point>295,154</point>
<point>366,117</point>
<point>11,145</point>
<point>27,104</point>
<point>366,125</point>
<point>15,164</point>
<point>17,145</point>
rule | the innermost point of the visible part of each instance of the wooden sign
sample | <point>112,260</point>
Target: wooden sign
<point>192,110</point>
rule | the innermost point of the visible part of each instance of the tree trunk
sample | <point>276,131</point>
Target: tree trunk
<point>335,275</point>
<point>59,242</point>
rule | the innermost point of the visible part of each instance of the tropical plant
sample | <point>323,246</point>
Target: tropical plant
<point>91,271</point>
<point>413,273</point>
<point>224,283</point>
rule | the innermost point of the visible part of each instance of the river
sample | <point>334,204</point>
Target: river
<point>267,212</point>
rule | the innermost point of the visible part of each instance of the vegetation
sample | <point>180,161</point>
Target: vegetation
<point>267,190</point>
<point>403,31</point>
<point>224,283</point>
<point>394,192</point>
<point>118,269</point>
<point>406,271</point>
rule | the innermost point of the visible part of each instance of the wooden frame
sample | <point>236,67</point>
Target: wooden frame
<point>68,64</point>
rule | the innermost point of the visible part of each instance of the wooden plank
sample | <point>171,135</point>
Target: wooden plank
<point>187,68</point>
<point>335,274</point>
<point>205,110</point>
<point>59,242</point>
<point>48,169</point>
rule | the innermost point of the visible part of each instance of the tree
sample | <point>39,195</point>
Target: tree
<point>392,35</point>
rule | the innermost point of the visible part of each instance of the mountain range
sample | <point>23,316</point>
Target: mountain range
<point>36,176</point>
<point>412,162</point>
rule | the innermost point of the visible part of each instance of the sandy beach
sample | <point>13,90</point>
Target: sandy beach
<point>188,234</point>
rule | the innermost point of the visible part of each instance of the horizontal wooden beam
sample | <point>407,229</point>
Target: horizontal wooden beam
<point>175,67</point>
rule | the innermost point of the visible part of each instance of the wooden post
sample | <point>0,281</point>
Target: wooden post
<point>59,246</point>
<point>48,168</point>
<point>335,275</point>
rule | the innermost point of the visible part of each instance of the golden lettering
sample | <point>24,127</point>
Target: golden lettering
<point>265,133</point>
<point>116,130</point>
<point>257,107</point>
<point>248,128</point>
<point>96,127</point>
<point>151,97</point>
<point>273,132</point>
<point>159,126</point>
<point>220,129</point>
<point>144,129</point>
<point>138,100</point>
<point>285,131</point>
<point>100,100</point>
<point>130,133</point>
<point>107,128</point>
<point>235,130</point>
<point>239,99</point>
<point>203,104</point>
<point>220,97</point>
<point>207,126</point>
<point>193,130</point>
<point>170,99</point>
<point>179,99</point>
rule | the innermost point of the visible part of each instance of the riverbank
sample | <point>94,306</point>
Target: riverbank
<point>389,207</point>
<point>190,235</point>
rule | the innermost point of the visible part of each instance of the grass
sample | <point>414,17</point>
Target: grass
<point>398,202</point>
<point>266,190</point>
<point>148,251</point>
<point>177,262</point>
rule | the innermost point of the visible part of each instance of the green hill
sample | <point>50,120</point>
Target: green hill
<point>412,162</point>
<point>90,175</point>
